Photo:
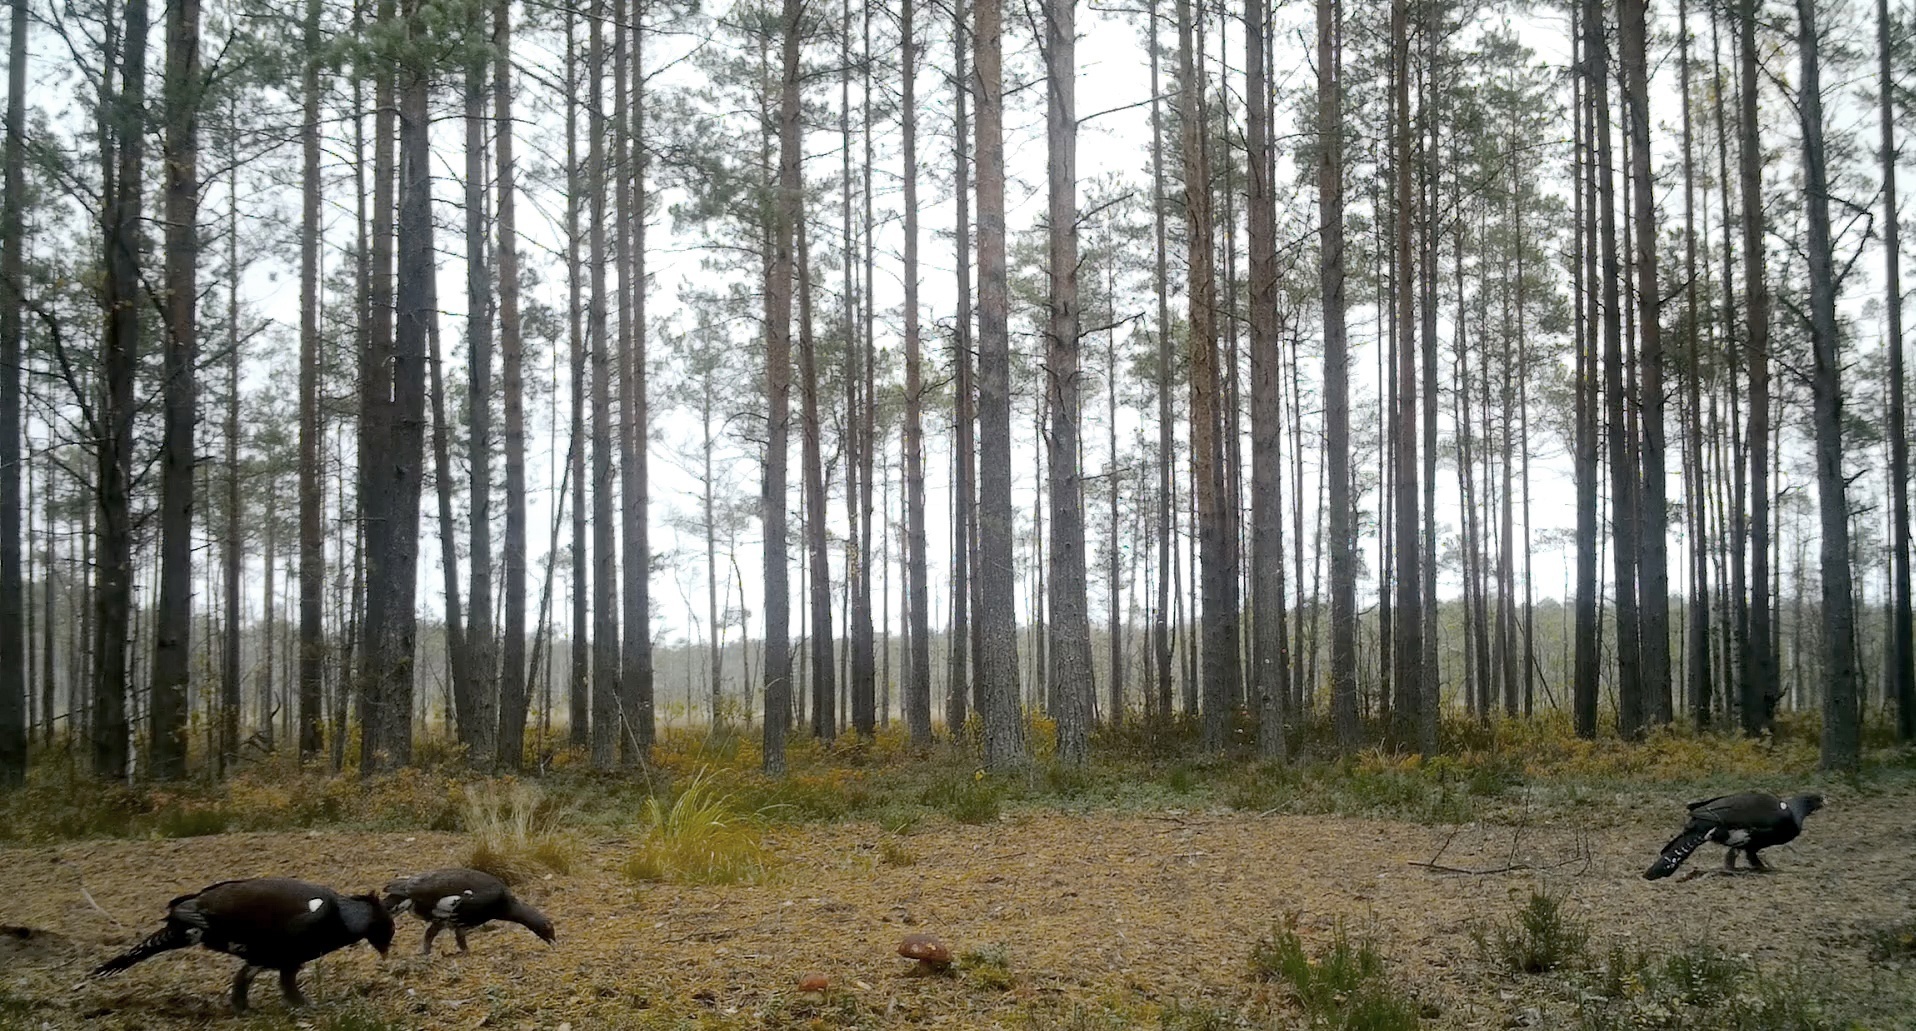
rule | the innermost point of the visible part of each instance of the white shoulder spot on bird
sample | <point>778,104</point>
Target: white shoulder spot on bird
<point>313,905</point>
<point>1785,806</point>
<point>445,906</point>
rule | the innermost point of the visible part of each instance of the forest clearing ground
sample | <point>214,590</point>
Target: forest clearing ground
<point>1122,915</point>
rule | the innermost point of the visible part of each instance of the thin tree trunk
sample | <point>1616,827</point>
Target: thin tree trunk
<point>578,693</point>
<point>1270,688</point>
<point>1842,690</point>
<point>966,632</point>
<point>233,537</point>
<point>998,659</point>
<point>113,593</point>
<point>607,716</point>
<point>479,719</point>
<point>778,390</point>
<point>1759,673</point>
<point>1902,643</point>
<point>1069,626</point>
<point>13,673</point>
<point>1407,624</point>
<point>1655,575</point>
<point>1337,444</point>
<point>510,742</point>
<point>1160,614</point>
<point>635,657</point>
<point>918,598</point>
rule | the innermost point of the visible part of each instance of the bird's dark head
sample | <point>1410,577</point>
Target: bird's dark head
<point>377,927</point>
<point>1806,804</point>
<point>532,920</point>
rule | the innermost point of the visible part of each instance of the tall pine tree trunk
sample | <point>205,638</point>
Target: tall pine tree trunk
<point>606,715</point>
<point>480,725</point>
<point>997,611</point>
<point>1655,572</point>
<point>1337,412</point>
<point>1759,692</point>
<point>1070,625</point>
<point>113,557</point>
<point>917,597</point>
<point>174,619</point>
<point>312,539</point>
<point>778,392</point>
<point>1902,643</point>
<point>13,673</point>
<point>509,745</point>
<point>1269,650</point>
<point>1407,626</point>
<point>1841,679</point>
<point>578,678</point>
<point>1160,615</point>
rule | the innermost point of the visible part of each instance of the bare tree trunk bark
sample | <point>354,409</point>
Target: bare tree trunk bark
<point>509,749</point>
<point>113,593</point>
<point>1160,614</point>
<point>1841,680</point>
<point>998,660</point>
<point>1407,645</point>
<point>479,721</point>
<point>778,391</point>
<point>1759,693</point>
<point>636,688</point>
<point>966,631</point>
<point>1655,574</point>
<point>1070,626</point>
<point>1270,687</point>
<point>13,673</point>
<point>578,687</point>
<point>607,716</point>
<point>1903,643</point>
<point>1337,444</point>
<point>918,598</point>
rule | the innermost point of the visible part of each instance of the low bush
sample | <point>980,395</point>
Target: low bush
<point>1539,938</point>
<point>700,837</point>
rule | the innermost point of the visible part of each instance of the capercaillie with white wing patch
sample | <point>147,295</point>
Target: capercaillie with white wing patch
<point>462,900</point>
<point>270,923</point>
<point>1748,822</point>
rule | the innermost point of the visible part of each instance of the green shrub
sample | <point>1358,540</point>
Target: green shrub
<point>974,799</point>
<point>1539,938</point>
<point>1342,987</point>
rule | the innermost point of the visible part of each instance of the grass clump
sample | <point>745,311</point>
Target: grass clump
<point>516,831</point>
<point>1539,938</point>
<point>974,799</point>
<point>894,852</point>
<point>1894,942</point>
<point>700,837</point>
<point>989,967</point>
<point>1697,986</point>
<point>1343,987</point>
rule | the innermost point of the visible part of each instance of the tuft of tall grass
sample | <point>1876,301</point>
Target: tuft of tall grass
<point>516,830</point>
<point>700,837</point>
<point>1539,938</point>
<point>1343,986</point>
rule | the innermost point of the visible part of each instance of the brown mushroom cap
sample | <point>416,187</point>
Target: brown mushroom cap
<point>814,983</point>
<point>925,949</point>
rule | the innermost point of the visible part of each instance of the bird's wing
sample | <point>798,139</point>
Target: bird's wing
<point>1749,809</point>
<point>268,905</point>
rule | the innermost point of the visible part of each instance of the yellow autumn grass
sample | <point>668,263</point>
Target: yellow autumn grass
<point>516,830</point>
<point>701,836</point>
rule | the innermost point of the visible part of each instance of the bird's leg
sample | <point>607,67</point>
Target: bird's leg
<point>289,986</point>
<point>1757,863</point>
<point>432,931</point>
<point>1729,861</point>
<point>459,935</point>
<point>241,982</point>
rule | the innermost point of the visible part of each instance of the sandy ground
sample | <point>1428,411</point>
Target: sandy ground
<point>1125,912</point>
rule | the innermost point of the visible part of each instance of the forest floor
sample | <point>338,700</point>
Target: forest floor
<point>1084,919</point>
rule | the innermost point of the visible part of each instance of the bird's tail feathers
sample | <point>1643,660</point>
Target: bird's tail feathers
<point>1676,852</point>
<point>166,939</point>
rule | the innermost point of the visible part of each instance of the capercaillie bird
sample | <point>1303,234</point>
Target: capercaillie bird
<point>269,923</point>
<point>1748,822</point>
<point>462,900</point>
